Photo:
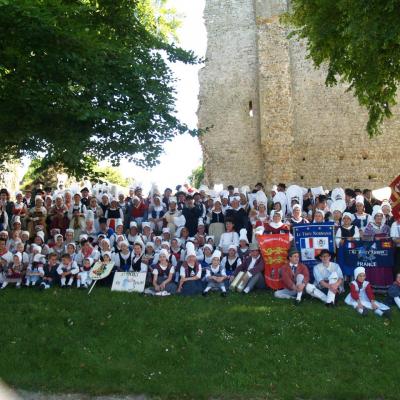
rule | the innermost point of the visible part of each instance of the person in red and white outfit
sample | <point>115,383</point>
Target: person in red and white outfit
<point>361,296</point>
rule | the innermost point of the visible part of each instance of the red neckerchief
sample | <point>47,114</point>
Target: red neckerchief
<point>87,253</point>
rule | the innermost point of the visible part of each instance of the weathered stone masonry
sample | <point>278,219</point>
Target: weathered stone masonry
<point>269,115</point>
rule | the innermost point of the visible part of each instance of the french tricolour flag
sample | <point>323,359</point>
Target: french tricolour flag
<point>317,243</point>
<point>307,243</point>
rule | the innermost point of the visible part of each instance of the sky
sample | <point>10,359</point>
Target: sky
<point>183,154</point>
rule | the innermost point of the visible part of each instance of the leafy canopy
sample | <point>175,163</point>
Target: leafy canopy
<point>359,41</point>
<point>84,80</point>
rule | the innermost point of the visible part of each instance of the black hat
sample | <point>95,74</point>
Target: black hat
<point>292,251</point>
<point>102,220</point>
<point>324,251</point>
<point>85,189</point>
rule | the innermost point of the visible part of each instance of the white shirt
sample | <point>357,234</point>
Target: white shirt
<point>322,273</point>
<point>395,231</point>
<point>252,264</point>
<point>227,239</point>
<point>171,271</point>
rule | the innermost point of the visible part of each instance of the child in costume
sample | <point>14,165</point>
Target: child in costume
<point>14,272</point>
<point>83,279</point>
<point>362,298</point>
<point>216,275</point>
<point>49,274</point>
<point>67,270</point>
<point>34,270</point>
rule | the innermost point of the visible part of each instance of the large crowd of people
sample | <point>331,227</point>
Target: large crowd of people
<point>188,241</point>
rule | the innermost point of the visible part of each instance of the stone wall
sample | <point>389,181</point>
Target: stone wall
<point>300,131</point>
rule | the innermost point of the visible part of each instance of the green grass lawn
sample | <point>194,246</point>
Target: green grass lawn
<point>250,346</point>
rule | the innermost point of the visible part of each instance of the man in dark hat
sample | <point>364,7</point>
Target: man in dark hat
<point>85,197</point>
<point>191,214</point>
<point>296,279</point>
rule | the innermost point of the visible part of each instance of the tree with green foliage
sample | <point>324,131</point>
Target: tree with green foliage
<point>84,80</point>
<point>197,176</point>
<point>359,43</point>
<point>37,172</point>
<point>112,174</point>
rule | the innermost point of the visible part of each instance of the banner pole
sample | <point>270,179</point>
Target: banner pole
<point>92,287</point>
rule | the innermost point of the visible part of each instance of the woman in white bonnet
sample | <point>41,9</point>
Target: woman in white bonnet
<point>361,218</point>
<point>216,220</point>
<point>377,228</point>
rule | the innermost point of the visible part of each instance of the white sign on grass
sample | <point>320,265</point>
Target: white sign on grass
<point>129,281</point>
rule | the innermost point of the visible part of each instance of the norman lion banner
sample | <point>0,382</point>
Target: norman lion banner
<point>274,250</point>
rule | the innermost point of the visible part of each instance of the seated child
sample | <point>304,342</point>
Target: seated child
<point>362,298</point>
<point>34,270</point>
<point>67,269</point>
<point>216,275</point>
<point>83,279</point>
<point>49,274</point>
<point>14,272</point>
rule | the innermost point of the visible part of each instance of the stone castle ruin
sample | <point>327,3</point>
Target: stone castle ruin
<point>269,116</point>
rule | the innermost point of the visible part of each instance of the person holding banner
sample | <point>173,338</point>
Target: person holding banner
<point>377,229</point>
<point>296,278</point>
<point>296,218</point>
<point>249,273</point>
<point>328,277</point>
<point>362,298</point>
<point>275,226</point>
<point>347,230</point>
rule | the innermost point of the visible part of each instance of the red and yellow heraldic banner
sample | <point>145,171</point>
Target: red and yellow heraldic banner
<point>395,198</point>
<point>274,251</point>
